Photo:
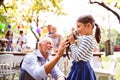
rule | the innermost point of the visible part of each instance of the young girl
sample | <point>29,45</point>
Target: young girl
<point>82,53</point>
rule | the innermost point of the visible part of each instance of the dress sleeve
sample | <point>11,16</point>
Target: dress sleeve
<point>79,52</point>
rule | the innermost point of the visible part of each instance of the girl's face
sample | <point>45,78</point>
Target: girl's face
<point>83,29</point>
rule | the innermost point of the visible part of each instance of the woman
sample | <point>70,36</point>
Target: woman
<point>56,38</point>
<point>9,37</point>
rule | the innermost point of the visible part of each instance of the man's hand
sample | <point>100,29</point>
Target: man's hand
<point>63,45</point>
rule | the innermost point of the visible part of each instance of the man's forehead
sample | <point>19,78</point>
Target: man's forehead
<point>44,40</point>
<point>49,41</point>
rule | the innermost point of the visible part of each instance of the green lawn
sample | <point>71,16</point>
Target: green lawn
<point>117,71</point>
<point>65,66</point>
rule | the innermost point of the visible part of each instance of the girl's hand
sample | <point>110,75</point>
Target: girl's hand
<point>71,39</point>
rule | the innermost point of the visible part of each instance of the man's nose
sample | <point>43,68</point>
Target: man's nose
<point>51,46</point>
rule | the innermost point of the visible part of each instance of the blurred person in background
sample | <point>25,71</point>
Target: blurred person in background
<point>49,28</point>
<point>9,37</point>
<point>56,38</point>
<point>22,40</point>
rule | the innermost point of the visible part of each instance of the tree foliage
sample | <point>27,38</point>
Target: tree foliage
<point>19,11</point>
<point>118,39</point>
<point>103,4</point>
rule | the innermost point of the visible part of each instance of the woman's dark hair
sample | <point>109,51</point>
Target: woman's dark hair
<point>89,19</point>
<point>7,35</point>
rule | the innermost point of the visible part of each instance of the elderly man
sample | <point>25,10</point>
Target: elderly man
<point>37,65</point>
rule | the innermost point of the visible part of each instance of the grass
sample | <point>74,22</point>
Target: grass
<point>65,68</point>
<point>117,71</point>
<point>67,64</point>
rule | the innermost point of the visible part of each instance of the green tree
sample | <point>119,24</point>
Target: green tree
<point>17,11</point>
<point>118,39</point>
<point>20,11</point>
<point>113,36</point>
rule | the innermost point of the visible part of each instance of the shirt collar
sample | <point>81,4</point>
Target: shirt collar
<point>38,54</point>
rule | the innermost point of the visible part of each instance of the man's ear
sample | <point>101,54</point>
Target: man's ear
<point>39,44</point>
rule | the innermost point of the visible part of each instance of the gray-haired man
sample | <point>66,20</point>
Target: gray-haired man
<point>37,65</point>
